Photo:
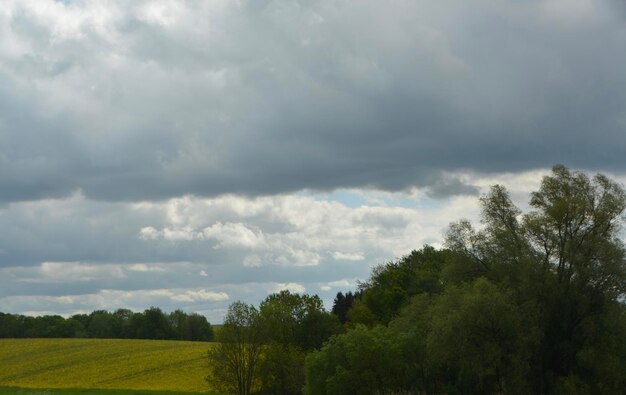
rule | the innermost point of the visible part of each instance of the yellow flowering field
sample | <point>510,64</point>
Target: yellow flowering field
<point>104,363</point>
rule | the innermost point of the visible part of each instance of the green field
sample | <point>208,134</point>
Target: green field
<point>57,391</point>
<point>41,366</point>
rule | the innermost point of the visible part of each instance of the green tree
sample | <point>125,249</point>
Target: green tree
<point>391,285</point>
<point>342,304</point>
<point>100,324</point>
<point>292,324</point>
<point>281,370</point>
<point>476,329</point>
<point>575,232</point>
<point>564,262</point>
<point>9,325</point>
<point>528,303</point>
<point>198,328</point>
<point>360,361</point>
<point>122,323</point>
<point>361,314</point>
<point>156,325</point>
<point>233,360</point>
<point>422,374</point>
<point>178,322</point>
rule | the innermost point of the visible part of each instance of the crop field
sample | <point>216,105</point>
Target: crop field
<point>74,391</point>
<point>155,365</point>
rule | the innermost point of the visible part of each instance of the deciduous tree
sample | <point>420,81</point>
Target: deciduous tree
<point>564,261</point>
<point>233,361</point>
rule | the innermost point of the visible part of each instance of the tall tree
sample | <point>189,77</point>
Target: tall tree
<point>528,303</point>
<point>360,361</point>
<point>564,260</point>
<point>198,328</point>
<point>476,330</point>
<point>343,303</point>
<point>234,359</point>
<point>391,285</point>
<point>293,324</point>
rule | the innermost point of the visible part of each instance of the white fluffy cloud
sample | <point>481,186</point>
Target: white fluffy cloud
<point>201,294</point>
<point>203,253</point>
<point>291,287</point>
<point>339,284</point>
<point>301,230</point>
<point>342,256</point>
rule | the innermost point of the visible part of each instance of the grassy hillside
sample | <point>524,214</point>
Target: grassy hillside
<point>104,363</point>
<point>66,391</point>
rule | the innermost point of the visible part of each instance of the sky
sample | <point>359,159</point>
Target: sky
<point>191,154</point>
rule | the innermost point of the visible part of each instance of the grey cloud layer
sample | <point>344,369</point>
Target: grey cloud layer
<point>283,230</point>
<point>74,254</point>
<point>114,115</point>
<point>160,99</point>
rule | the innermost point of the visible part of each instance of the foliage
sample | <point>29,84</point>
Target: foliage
<point>343,303</point>
<point>528,303</point>
<point>121,324</point>
<point>233,360</point>
<point>301,320</point>
<point>565,262</point>
<point>476,330</point>
<point>281,370</point>
<point>153,365</point>
<point>264,350</point>
<point>361,361</point>
<point>292,325</point>
<point>360,314</point>
<point>392,285</point>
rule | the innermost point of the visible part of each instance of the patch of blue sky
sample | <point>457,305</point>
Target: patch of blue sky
<point>425,202</point>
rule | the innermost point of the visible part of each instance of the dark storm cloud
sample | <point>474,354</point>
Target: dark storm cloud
<point>445,187</point>
<point>156,100</point>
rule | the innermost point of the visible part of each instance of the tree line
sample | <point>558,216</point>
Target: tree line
<point>525,303</point>
<point>152,323</point>
<point>264,349</point>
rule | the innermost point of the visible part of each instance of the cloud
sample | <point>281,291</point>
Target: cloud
<point>56,249</point>
<point>289,230</point>
<point>81,238</point>
<point>192,296</point>
<point>156,100</point>
<point>142,267</point>
<point>342,256</point>
<point>62,272</point>
<point>233,235</point>
<point>291,287</point>
<point>444,187</point>
<point>156,149</point>
<point>342,284</point>
<point>75,254</point>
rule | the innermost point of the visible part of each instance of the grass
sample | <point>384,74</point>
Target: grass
<point>89,366</point>
<point>75,391</point>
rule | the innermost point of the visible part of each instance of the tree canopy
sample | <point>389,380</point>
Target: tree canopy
<point>525,302</point>
<point>152,323</point>
<point>264,350</point>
